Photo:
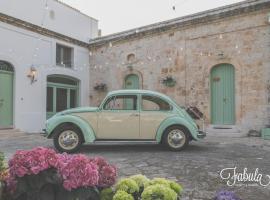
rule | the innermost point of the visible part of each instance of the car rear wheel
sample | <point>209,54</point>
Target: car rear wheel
<point>67,138</point>
<point>176,138</point>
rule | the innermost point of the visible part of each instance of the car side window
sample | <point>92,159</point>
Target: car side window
<point>152,103</point>
<point>121,102</point>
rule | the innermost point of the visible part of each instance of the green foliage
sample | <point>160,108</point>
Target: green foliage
<point>167,183</point>
<point>159,192</point>
<point>106,194</point>
<point>160,181</point>
<point>176,187</point>
<point>128,185</point>
<point>141,180</point>
<point>2,165</point>
<point>122,195</point>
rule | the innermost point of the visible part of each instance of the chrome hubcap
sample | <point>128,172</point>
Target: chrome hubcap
<point>68,140</point>
<point>176,138</point>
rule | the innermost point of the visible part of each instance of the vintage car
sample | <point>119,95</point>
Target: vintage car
<point>124,116</point>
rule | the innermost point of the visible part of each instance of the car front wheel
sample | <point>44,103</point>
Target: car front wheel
<point>67,139</point>
<point>176,138</point>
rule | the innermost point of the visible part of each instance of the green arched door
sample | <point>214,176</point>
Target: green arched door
<point>6,95</point>
<point>131,82</point>
<point>222,95</point>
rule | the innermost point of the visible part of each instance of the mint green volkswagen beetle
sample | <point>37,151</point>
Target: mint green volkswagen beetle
<point>124,116</point>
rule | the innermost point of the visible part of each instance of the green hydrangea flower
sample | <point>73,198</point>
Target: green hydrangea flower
<point>176,187</point>
<point>122,195</point>
<point>159,192</point>
<point>128,185</point>
<point>106,194</point>
<point>140,179</point>
<point>160,181</point>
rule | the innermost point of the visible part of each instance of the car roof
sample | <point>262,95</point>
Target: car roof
<point>136,91</point>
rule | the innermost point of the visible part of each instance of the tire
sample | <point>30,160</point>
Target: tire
<point>176,138</point>
<point>72,144</point>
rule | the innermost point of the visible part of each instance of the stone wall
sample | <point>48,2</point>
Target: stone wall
<point>188,54</point>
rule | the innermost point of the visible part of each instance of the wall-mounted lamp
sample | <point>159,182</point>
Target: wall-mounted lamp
<point>32,74</point>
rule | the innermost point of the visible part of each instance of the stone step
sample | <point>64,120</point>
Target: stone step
<point>12,130</point>
<point>224,131</point>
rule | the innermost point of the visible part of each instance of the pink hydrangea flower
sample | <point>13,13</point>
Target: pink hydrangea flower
<point>74,170</point>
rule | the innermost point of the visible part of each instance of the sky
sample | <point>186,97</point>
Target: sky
<point>120,15</point>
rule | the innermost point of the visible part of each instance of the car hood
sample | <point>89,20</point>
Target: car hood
<point>78,110</point>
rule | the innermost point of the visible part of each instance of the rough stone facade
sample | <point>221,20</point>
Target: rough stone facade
<point>188,53</point>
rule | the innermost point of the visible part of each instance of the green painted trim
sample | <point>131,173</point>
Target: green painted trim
<point>109,96</point>
<point>176,120</point>
<point>68,88</point>
<point>60,85</point>
<point>6,72</point>
<point>87,130</point>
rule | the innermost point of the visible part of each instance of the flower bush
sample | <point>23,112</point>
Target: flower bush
<point>159,191</point>
<point>139,187</point>
<point>77,171</point>
<point>3,170</point>
<point>128,185</point>
<point>226,195</point>
<point>33,170</point>
<point>122,195</point>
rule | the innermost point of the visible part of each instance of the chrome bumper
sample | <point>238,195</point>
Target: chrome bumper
<point>201,134</point>
<point>43,133</point>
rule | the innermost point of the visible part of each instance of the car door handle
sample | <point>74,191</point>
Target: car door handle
<point>134,115</point>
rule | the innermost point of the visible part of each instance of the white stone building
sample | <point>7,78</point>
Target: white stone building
<point>39,41</point>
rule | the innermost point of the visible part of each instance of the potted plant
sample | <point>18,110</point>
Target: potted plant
<point>100,87</point>
<point>42,173</point>
<point>169,81</point>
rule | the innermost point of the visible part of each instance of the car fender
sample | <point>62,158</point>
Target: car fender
<point>87,130</point>
<point>176,121</point>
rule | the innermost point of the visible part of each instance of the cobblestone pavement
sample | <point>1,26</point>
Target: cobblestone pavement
<point>197,168</point>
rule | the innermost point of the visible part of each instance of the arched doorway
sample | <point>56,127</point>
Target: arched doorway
<point>62,94</point>
<point>6,94</point>
<point>223,94</point>
<point>132,81</point>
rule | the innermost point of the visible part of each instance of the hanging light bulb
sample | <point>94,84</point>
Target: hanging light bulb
<point>220,36</point>
<point>110,44</point>
<point>236,46</point>
<point>90,53</point>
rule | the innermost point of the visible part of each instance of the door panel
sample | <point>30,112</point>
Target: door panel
<point>150,121</point>
<point>132,82</point>
<point>6,99</point>
<point>118,125</point>
<point>222,95</point>
<point>153,111</point>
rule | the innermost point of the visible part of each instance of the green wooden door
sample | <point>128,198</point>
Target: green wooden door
<point>222,95</point>
<point>6,99</point>
<point>131,82</point>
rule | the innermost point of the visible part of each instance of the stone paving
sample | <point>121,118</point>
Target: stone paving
<point>197,168</point>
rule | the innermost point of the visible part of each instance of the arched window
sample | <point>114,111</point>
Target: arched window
<point>62,93</point>
<point>4,66</point>
<point>131,57</point>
